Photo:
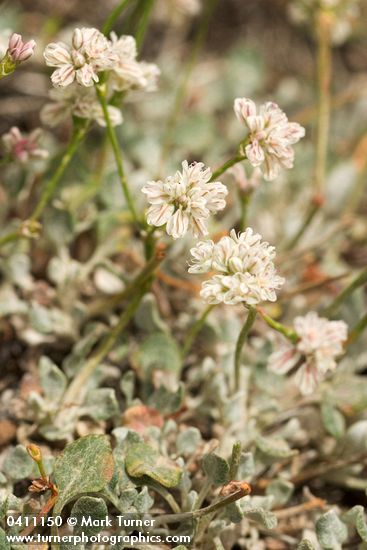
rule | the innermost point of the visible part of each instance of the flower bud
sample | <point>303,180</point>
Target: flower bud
<point>18,50</point>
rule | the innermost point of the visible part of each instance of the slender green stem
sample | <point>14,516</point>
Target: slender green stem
<point>357,330</point>
<point>106,305</point>
<point>143,22</point>
<point>114,15</point>
<point>101,93</point>
<point>9,237</point>
<point>194,331</point>
<point>310,214</point>
<point>228,164</point>
<point>244,204</point>
<point>179,99</point>
<point>196,514</point>
<point>77,385</point>
<point>324,62</point>
<point>78,135</point>
<point>240,343</point>
<point>137,292</point>
<point>279,327</point>
<point>357,282</point>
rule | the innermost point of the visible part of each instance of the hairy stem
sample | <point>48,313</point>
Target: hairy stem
<point>239,345</point>
<point>196,514</point>
<point>101,93</point>
<point>279,327</point>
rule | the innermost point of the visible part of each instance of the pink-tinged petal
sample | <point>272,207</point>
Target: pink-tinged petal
<point>294,132</point>
<point>284,359</point>
<point>86,75</point>
<point>178,224</point>
<point>244,108</point>
<point>57,54</point>
<point>255,123</point>
<point>307,378</point>
<point>255,153</point>
<point>159,214</point>
<point>270,168</point>
<point>64,76</point>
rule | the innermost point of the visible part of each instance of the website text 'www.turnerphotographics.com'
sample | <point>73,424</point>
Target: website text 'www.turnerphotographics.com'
<point>130,531</point>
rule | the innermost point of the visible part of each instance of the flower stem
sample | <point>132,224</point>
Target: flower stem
<point>279,327</point>
<point>101,93</point>
<point>137,291</point>
<point>143,22</point>
<point>316,204</point>
<point>324,62</point>
<point>9,237</point>
<point>194,331</point>
<point>357,330</point>
<point>196,514</point>
<point>359,281</point>
<point>197,43</point>
<point>76,138</point>
<point>239,345</point>
<point>228,164</point>
<point>101,306</point>
<point>114,15</point>
<point>244,204</point>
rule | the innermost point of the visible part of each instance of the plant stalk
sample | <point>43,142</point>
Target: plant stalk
<point>240,343</point>
<point>101,93</point>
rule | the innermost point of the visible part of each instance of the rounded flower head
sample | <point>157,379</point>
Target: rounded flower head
<point>24,147</point>
<point>77,101</point>
<point>128,73</point>
<point>270,136</point>
<point>244,266</point>
<point>320,342</point>
<point>185,201</point>
<point>89,53</point>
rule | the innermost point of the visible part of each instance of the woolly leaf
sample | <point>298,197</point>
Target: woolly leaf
<point>330,531</point>
<point>143,460</point>
<point>216,468</point>
<point>85,466</point>
<point>333,420</point>
<point>89,507</point>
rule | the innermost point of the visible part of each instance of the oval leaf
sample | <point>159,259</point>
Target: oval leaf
<point>143,460</point>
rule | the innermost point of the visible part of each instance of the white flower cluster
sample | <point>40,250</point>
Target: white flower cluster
<point>270,136</point>
<point>244,266</point>
<point>91,53</point>
<point>185,201</point>
<point>343,13</point>
<point>24,147</point>
<point>77,101</point>
<point>320,342</point>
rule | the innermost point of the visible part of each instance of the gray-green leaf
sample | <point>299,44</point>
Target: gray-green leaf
<point>216,468</point>
<point>330,531</point>
<point>143,460</point>
<point>85,466</point>
<point>89,507</point>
